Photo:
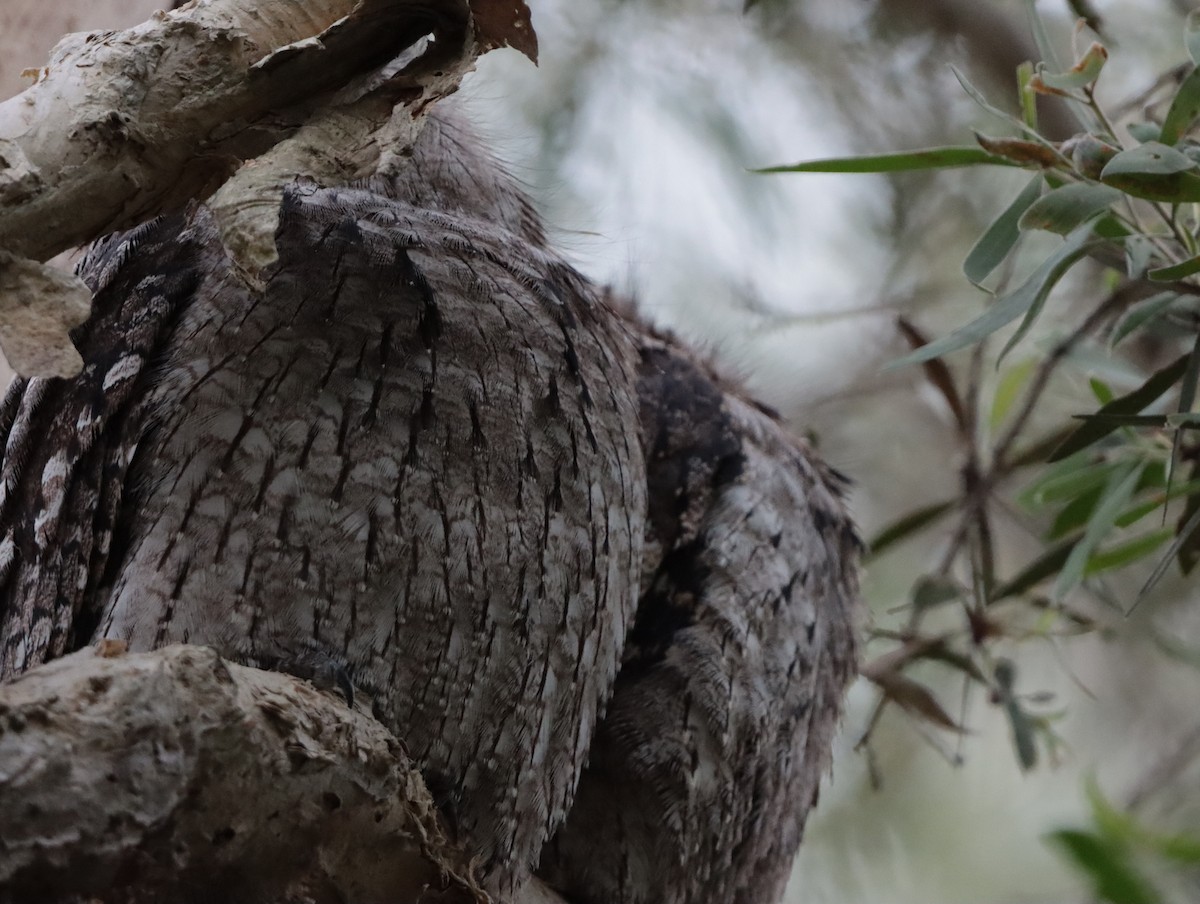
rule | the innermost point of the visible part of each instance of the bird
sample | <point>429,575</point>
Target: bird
<point>597,591</point>
<point>720,728</point>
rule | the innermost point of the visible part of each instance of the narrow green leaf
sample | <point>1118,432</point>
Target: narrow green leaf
<point>1096,427</point>
<point>1075,514</point>
<point>1000,237</point>
<point>1089,154</point>
<point>1176,271</point>
<point>1187,389</point>
<point>978,96</point>
<point>1142,314</point>
<point>1067,207</point>
<point>1112,824</point>
<point>1023,733</point>
<point>1183,535</point>
<point>1048,276</point>
<point>907,526</point>
<point>1113,878</point>
<point>931,591</point>
<point>1126,420</point>
<point>928,158</point>
<point>1184,109</point>
<point>1023,727</point>
<point>1027,298</point>
<point>1070,482</point>
<point>1150,159</point>
<point>1191,35</point>
<point>1008,390</point>
<point>1141,509</point>
<point>1188,554</point>
<point>1144,131</point>
<point>1040,36</point>
<point>1037,451</point>
<point>1048,564</point>
<point>1176,188</point>
<point>1116,496</point>
<point>1101,390</point>
<point>1109,227</point>
<point>1082,74</point>
<point>1126,552</point>
<point>1027,95</point>
<point>1183,849</point>
<point>1187,399</point>
<point>1139,250</point>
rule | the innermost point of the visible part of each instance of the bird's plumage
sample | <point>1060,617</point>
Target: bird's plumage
<point>431,460</point>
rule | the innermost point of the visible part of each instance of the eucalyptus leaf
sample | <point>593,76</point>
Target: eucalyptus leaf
<point>1041,37</point>
<point>1184,420</point>
<point>1027,95</point>
<point>1111,823</point>
<point>930,591</point>
<point>1026,299</point>
<point>1075,514</point>
<point>1114,880</point>
<point>1096,427</point>
<point>1127,552</point>
<point>1139,249</point>
<point>1008,390</point>
<point>1150,159</point>
<point>1047,276</point>
<point>927,158</point>
<point>1141,315</point>
<point>908,525</point>
<point>1144,131</point>
<point>1182,536</point>
<point>1085,71</point>
<point>1184,109</point>
<point>999,238</point>
<point>1046,565</point>
<point>1068,483</point>
<point>978,96</point>
<point>1176,272</point>
<point>1175,188</point>
<point>1065,208</point>
<point>1116,497</point>
<point>1023,727</point>
<point>1191,35</point>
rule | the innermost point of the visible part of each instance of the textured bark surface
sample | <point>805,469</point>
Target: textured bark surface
<point>153,777</point>
<point>429,464</point>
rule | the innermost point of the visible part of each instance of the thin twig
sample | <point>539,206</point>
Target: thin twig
<point>1166,769</point>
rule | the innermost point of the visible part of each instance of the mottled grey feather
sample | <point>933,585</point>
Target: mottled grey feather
<point>719,731</point>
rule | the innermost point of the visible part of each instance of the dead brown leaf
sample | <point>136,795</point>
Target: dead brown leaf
<point>1022,152</point>
<point>915,699</point>
<point>504,23</point>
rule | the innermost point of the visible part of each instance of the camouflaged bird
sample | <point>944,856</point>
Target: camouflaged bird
<point>431,463</point>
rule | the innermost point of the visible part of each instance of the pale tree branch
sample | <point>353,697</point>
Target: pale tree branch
<point>122,126</point>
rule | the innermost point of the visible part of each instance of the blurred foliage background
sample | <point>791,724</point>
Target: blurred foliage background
<point>1026,729</point>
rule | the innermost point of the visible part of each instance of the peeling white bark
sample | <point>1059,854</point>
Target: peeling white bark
<point>122,126</point>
